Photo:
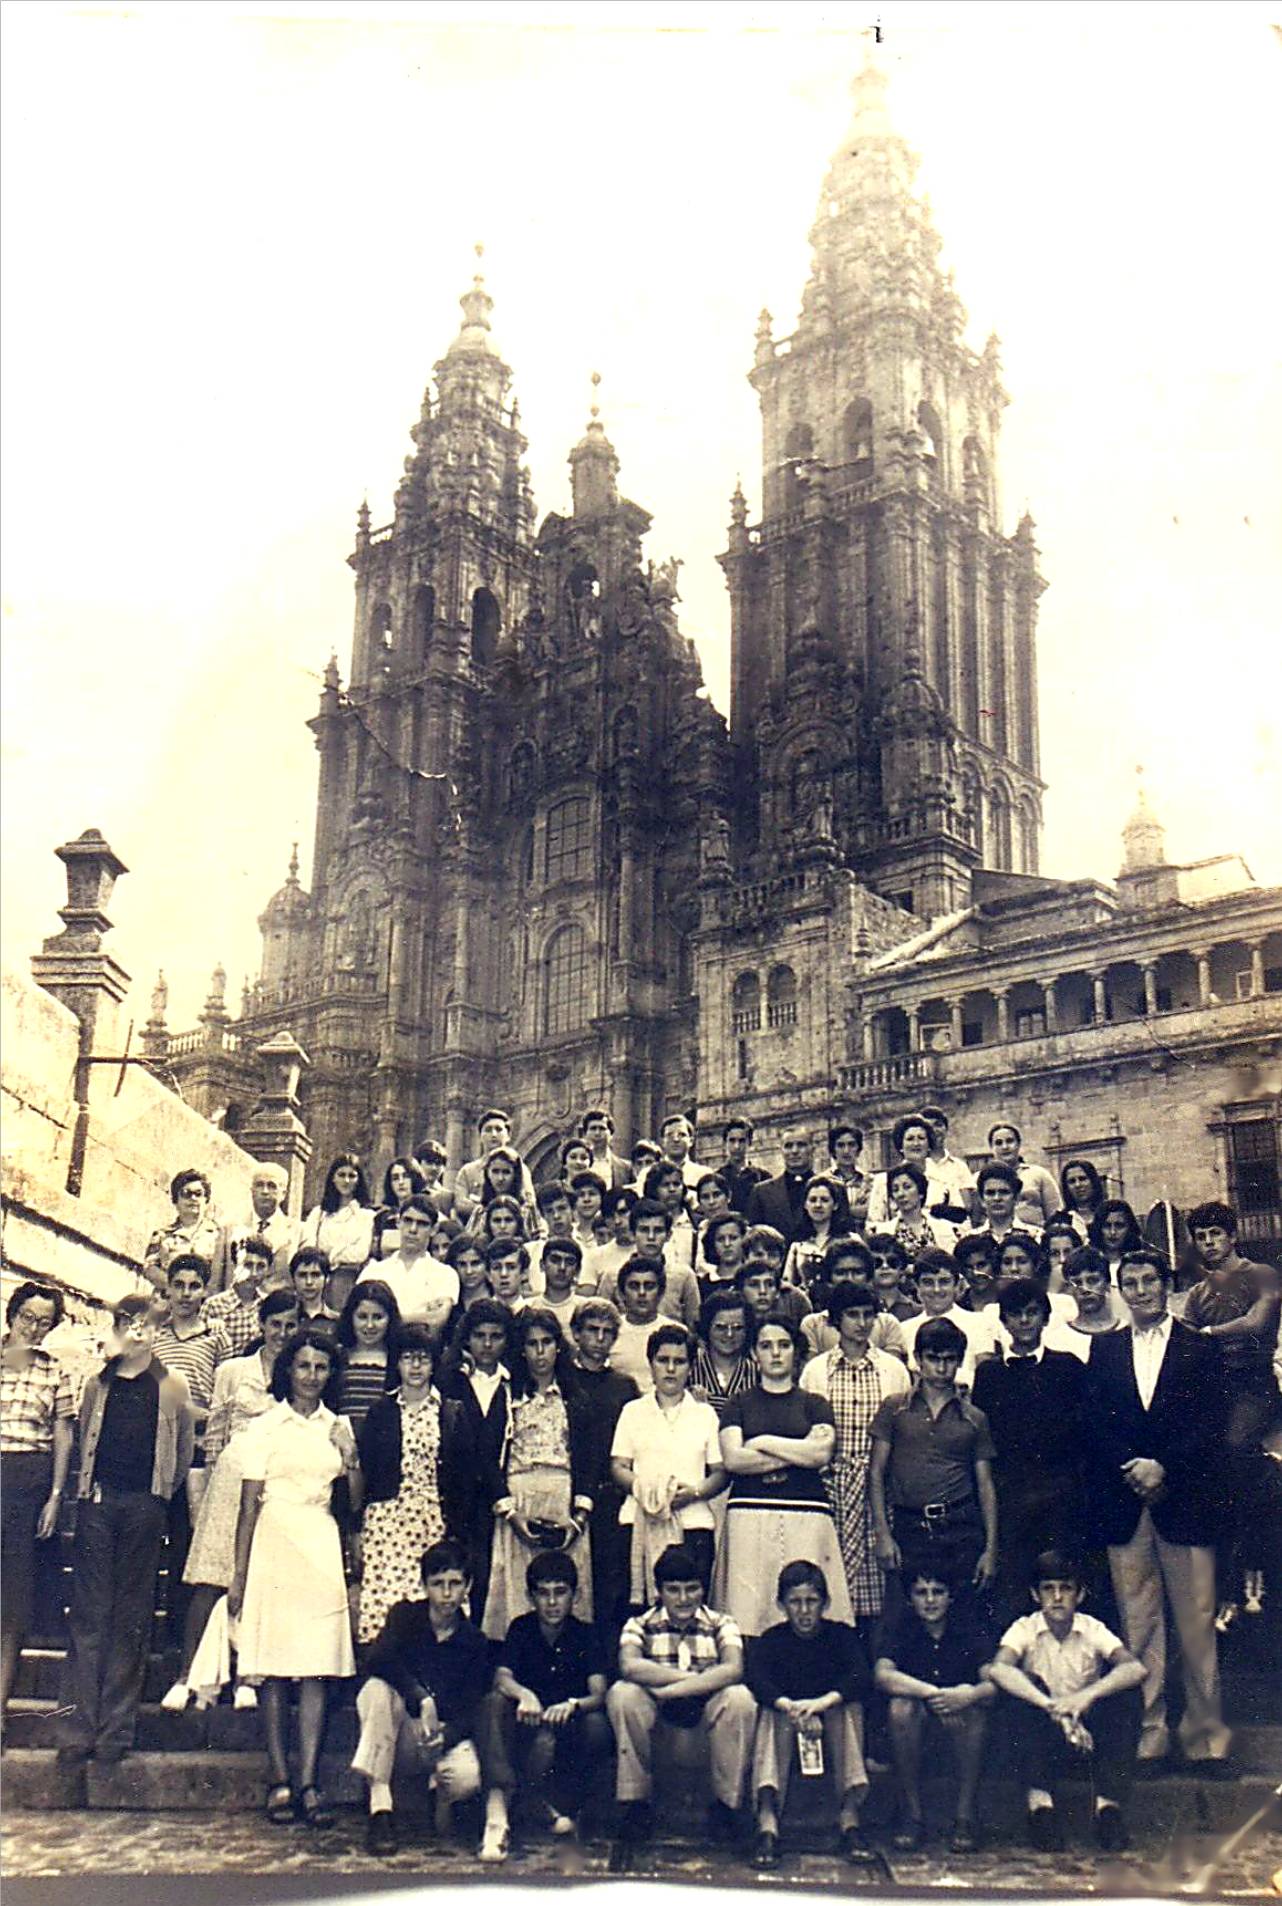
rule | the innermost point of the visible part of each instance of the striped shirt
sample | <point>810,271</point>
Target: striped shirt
<point>702,1643</point>
<point>32,1401</point>
<point>193,1357</point>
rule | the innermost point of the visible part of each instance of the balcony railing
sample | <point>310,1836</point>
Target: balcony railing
<point>889,1075</point>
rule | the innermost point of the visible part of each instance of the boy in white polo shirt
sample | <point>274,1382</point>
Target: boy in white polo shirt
<point>1075,1698</point>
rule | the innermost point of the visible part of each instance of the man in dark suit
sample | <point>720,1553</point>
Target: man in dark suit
<point>740,1176</point>
<point>778,1201</point>
<point>1155,1395</point>
<point>1035,1402</point>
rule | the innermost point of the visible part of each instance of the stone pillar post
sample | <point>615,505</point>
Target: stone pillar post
<point>1256,950</point>
<point>1149,971</point>
<point>870,1037</point>
<point>913,1016</point>
<point>1099,1008</point>
<point>955,1020</point>
<point>1048,996</point>
<point>73,967</point>
<point>276,1134</point>
<point>1002,995</point>
<point>1203,959</point>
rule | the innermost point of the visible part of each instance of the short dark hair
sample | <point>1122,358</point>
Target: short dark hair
<point>1004,1174</point>
<point>940,1335</point>
<point>486,1310</point>
<point>902,1126</point>
<point>657,1174</point>
<point>445,1555</point>
<point>890,1249</point>
<point>189,1177</point>
<point>934,1115</point>
<point>978,1244</point>
<point>589,1181</point>
<point>845,1247</point>
<point>712,1178</point>
<point>309,1337</point>
<point>310,1254</point>
<point>738,1125</point>
<point>1006,1125</point>
<point>429,1148</point>
<point>728,1297</point>
<point>551,1565</point>
<point>419,1201</point>
<point>134,1305</point>
<point>935,1260</point>
<point>713,1231</point>
<point>802,1575</point>
<point>563,1247</point>
<point>676,1564</point>
<point>625,1198</point>
<point>465,1241</point>
<point>927,1571</point>
<point>1019,1294</point>
<point>597,1112</point>
<point>1086,1258</point>
<point>1024,1241</point>
<point>847,1296</point>
<point>493,1111</point>
<point>189,1261</point>
<point>416,1337</point>
<point>553,1192</point>
<point>47,1292</point>
<point>647,1208</point>
<point>902,1170</point>
<point>670,1333</point>
<point>766,1234</point>
<point>844,1131</point>
<point>652,1266</point>
<point>253,1245</point>
<point>1150,1255</point>
<point>1056,1565</point>
<point>1212,1215</point>
<point>276,1302</point>
<point>776,1320</point>
<point>506,1247</point>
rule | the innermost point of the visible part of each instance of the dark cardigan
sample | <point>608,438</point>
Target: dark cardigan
<point>379,1447</point>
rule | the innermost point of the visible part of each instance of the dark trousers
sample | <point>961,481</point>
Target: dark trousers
<point>177,1544</point>
<point>25,1480</point>
<point>567,1765</point>
<point>116,1557</point>
<point>952,1543</point>
<point>1029,1521</point>
<point>1043,1755</point>
<point>611,1550</point>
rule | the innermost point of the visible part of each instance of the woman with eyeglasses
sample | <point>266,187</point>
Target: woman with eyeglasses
<point>37,1424</point>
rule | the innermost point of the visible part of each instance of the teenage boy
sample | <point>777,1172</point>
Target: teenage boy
<point>425,1290</point>
<point>507,1263</point>
<point>1156,1497</point>
<point>976,1256</point>
<point>309,1274</point>
<point>764,1252</point>
<point>476,1388</point>
<point>845,1144</point>
<point>738,1173</point>
<point>998,1187</point>
<point>1087,1280</point>
<point>650,1228</point>
<point>640,1286</point>
<point>544,1737</point>
<point>645,1155</point>
<point>426,1676</point>
<point>848,1261</point>
<point>562,1264</point>
<point>939,1287</point>
<point>597,1128</point>
<point>232,1314</point>
<point>556,1211</point>
<point>186,1344</point>
<point>930,1663</point>
<point>1035,1403</point>
<point>602,1259</point>
<point>136,1444</point>
<point>809,1677</point>
<point>604,1391</point>
<point>676,1139</point>
<point>932,1462</point>
<point>680,1662</point>
<point>1060,1666</point>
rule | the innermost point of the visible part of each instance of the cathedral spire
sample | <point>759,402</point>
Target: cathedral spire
<point>594,467</point>
<point>477,305</point>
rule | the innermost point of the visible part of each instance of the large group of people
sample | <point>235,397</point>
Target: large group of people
<point>825,1463</point>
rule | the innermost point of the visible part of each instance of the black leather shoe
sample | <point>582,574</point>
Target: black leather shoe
<point>1044,1830</point>
<point>1110,1830</point>
<point>765,1851</point>
<point>964,1839</point>
<point>381,1837</point>
<point>909,1835</point>
<point>854,1846</point>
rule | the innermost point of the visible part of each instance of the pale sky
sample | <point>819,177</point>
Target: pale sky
<point>234,246</point>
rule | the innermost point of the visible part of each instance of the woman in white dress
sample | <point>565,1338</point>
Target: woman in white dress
<point>288,1589</point>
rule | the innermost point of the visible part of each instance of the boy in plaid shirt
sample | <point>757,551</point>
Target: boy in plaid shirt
<point>680,1662</point>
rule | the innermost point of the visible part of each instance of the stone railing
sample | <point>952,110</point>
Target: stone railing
<point>203,1039</point>
<point>888,1075</point>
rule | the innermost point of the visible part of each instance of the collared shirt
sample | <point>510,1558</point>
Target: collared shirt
<point>484,1384</point>
<point>425,1290</point>
<point>241,1393</point>
<point>891,1375</point>
<point>703,1643</point>
<point>951,1659</point>
<point>688,1441</point>
<point>412,1658</point>
<point>194,1356</point>
<point>1062,1667</point>
<point>32,1401</point>
<point>820,1335</point>
<point>932,1456</point>
<point>280,1231</point>
<point>235,1324</point>
<point>978,1328</point>
<point>345,1235</point>
<point>1148,1347</point>
<point>203,1239</point>
<point>555,1670</point>
<point>782,1664</point>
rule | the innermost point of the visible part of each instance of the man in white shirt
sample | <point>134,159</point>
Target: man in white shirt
<point>938,1288</point>
<point>951,1171</point>
<point>998,1204</point>
<point>676,1137</point>
<point>425,1290</point>
<point>1039,1195</point>
<point>269,1220</point>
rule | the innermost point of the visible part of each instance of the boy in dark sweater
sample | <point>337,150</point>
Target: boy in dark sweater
<point>810,1679</point>
<point>427,1674</point>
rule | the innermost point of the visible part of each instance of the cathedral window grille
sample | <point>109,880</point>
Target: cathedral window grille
<point>781,997</point>
<point>933,431</point>
<point>745,1004</point>
<point>486,620</point>
<point>1254,1188</point>
<point>569,839</point>
<point>856,431</point>
<point>424,618</point>
<point>566,980</point>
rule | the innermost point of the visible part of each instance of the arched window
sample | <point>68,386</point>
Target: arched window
<point>856,431</point>
<point>798,449</point>
<point>973,807</point>
<point>975,471</point>
<point>933,431</point>
<point>800,441</point>
<point>565,976</point>
<point>1027,837</point>
<point>569,839</point>
<point>781,997</point>
<point>380,628</point>
<point>745,1004</point>
<point>423,617</point>
<point>485,628</point>
<point>999,852</point>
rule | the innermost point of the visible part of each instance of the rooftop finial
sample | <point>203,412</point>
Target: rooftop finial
<point>293,865</point>
<point>596,386</point>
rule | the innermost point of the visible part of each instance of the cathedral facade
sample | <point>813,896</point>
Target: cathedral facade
<point>548,874</point>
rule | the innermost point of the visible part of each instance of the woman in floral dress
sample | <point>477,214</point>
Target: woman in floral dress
<point>400,1450</point>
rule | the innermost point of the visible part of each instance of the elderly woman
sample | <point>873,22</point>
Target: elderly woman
<point>724,1367</point>
<point>342,1225</point>
<point>288,1588</point>
<point>776,1442</point>
<point>37,1424</point>
<point>194,1230</point>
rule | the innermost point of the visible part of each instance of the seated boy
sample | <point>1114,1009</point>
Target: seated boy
<point>1075,1700</point>
<point>680,1662</point>
<point>930,1662</point>
<point>427,1674</point>
<point>543,1726</point>
<point>809,1677</point>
